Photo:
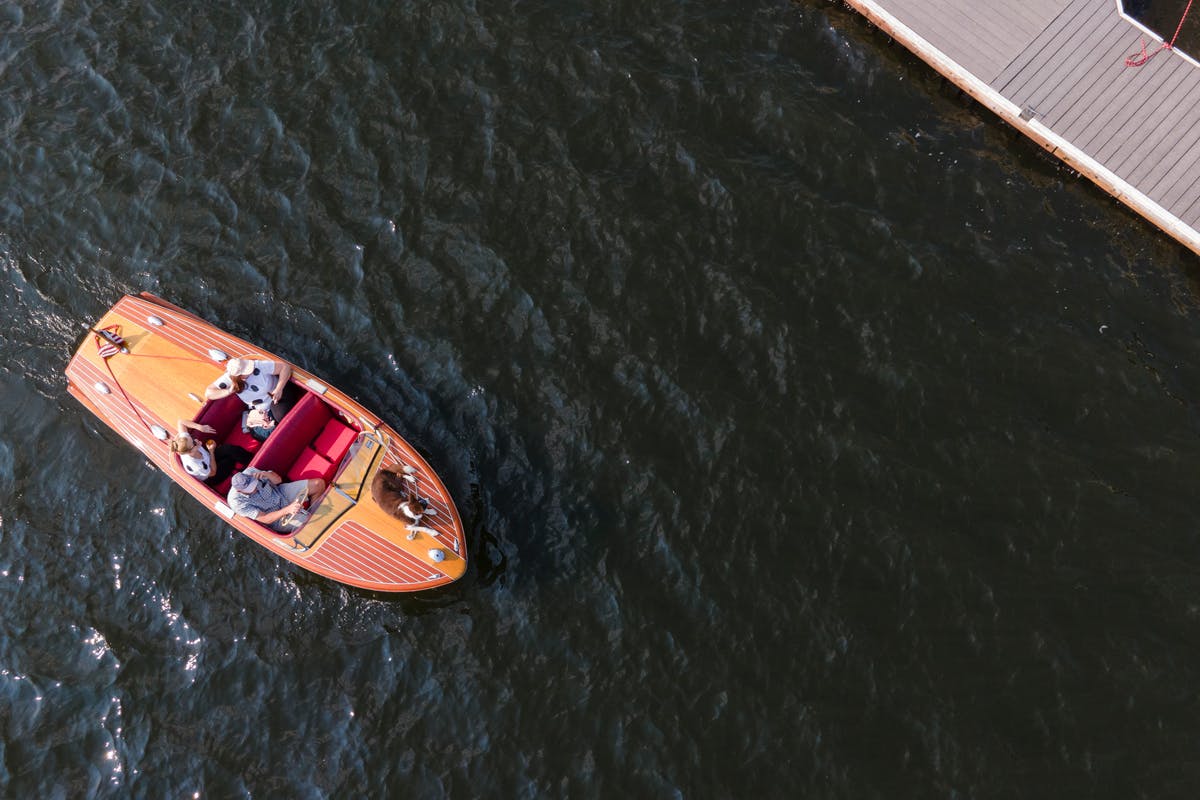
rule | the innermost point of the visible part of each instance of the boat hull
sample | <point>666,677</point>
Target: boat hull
<point>140,394</point>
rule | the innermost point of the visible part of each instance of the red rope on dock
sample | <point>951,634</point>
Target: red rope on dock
<point>1137,59</point>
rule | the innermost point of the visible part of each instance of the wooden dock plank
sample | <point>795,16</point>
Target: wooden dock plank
<point>1017,81</point>
<point>1114,86</point>
<point>985,37</point>
<point>1114,142</point>
<point>1178,187</point>
<point>1041,47</point>
<point>1082,54</point>
<point>1044,37</point>
<point>1029,17</point>
<point>1160,152</point>
<point>1192,215</point>
<point>978,38</point>
<point>1055,70</point>
<point>1093,82</point>
<point>1157,138</point>
<point>1097,112</point>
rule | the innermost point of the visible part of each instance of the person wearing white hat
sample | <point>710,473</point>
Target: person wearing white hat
<point>258,383</point>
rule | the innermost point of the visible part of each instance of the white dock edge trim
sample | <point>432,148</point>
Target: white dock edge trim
<point>941,61</point>
<point>1126,193</point>
<point>1011,113</point>
<point>316,385</point>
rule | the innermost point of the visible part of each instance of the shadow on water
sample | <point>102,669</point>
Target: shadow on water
<point>488,561</point>
<point>414,604</point>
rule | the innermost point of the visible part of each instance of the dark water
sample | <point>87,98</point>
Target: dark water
<point>817,436</point>
<point>1172,20</point>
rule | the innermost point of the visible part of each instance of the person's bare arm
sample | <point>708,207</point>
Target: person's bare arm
<point>275,516</point>
<point>285,375</point>
<point>212,460</point>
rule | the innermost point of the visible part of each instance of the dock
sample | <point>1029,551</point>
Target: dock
<point>1057,71</point>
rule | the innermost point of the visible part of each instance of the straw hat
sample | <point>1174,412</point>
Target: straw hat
<point>239,366</point>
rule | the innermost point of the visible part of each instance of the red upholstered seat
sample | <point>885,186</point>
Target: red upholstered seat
<point>244,440</point>
<point>296,432</point>
<point>310,464</point>
<point>334,440</point>
<point>309,443</point>
<point>224,414</point>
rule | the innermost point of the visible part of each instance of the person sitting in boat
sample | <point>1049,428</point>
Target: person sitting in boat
<point>206,462</point>
<point>257,423</point>
<point>262,495</point>
<point>257,383</point>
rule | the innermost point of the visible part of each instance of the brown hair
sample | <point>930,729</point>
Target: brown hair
<point>182,443</point>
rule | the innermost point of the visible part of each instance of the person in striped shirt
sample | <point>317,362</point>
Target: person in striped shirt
<point>262,496</point>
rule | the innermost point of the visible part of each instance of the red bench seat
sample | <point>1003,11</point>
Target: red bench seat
<point>310,442</point>
<point>225,416</point>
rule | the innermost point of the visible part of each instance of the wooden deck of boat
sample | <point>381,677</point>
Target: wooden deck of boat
<point>366,548</point>
<point>1055,69</point>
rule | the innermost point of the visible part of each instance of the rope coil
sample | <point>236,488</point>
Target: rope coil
<point>1138,59</point>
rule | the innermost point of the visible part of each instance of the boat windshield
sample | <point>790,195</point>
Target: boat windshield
<point>348,483</point>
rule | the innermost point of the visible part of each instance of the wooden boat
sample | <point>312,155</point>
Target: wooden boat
<point>159,377</point>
